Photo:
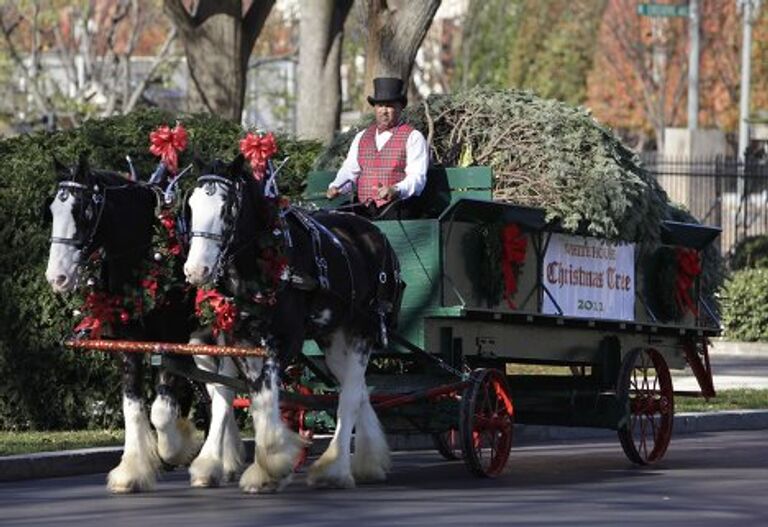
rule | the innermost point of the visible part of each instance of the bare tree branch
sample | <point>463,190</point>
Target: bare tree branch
<point>160,59</point>
<point>253,22</point>
<point>179,15</point>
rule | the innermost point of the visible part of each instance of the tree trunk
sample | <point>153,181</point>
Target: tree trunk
<point>395,32</point>
<point>321,30</point>
<point>218,39</point>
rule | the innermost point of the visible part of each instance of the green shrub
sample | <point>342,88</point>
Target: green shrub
<point>750,253</point>
<point>43,386</point>
<point>745,306</point>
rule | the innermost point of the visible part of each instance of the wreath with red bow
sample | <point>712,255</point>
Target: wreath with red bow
<point>156,276</point>
<point>503,248</point>
<point>226,313</point>
<point>102,311</point>
<point>670,277</point>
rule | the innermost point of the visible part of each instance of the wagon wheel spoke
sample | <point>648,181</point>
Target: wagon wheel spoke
<point>486,423</point>
<point>647,386</point>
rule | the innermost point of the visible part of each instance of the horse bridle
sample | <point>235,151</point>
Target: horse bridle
<point>230,213</point>
<point>93,197</point>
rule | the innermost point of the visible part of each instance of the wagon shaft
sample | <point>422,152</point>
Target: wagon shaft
<point>129,346</point>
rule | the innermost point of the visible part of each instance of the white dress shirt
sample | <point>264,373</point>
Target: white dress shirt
<point>416,162</point>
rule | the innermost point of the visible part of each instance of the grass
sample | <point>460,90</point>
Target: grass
<point>27,442</point>
<point>737,399</point>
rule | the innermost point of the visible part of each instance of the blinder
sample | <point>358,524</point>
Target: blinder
<point>93,206</point>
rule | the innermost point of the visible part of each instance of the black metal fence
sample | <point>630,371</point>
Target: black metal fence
<point>723,192</point>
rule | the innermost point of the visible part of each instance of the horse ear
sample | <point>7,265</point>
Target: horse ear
<point>200,165</point>
<point>59,167</point>
<point>236,166</point>
<point>82,165</point>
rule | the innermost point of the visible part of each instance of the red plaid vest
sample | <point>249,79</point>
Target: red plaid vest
<point>381,168</point>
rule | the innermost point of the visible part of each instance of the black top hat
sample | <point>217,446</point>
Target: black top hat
<point>387,89</point>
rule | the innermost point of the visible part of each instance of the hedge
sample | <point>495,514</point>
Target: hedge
<point>750,253</point>
<point>745,306</point>
<point>44,386</point>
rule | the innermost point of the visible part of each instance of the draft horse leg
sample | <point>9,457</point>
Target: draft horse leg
<point>276,446</point>
<point>221,457</point>
<point>176,442</point>
<point>347,358</point>
<point>138,467</point>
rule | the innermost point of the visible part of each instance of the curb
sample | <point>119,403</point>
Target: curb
<point>102,460</point>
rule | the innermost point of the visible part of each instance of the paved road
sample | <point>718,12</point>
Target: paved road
<point>705,480</point>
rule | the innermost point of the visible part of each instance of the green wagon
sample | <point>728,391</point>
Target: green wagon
<point>507,317</point>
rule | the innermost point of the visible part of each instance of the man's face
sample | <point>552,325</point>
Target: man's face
<point>387,114</point>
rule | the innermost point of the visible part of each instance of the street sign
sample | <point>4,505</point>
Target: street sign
<point>662,9</point>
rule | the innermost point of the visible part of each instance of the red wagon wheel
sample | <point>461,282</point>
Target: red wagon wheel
<point>645,389</point>
<point>485,424</point>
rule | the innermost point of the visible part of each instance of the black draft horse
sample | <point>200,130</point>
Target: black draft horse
<point>328,276</point>
<point>99,211</point>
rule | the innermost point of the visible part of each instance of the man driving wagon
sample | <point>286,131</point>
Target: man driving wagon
<point>387,161</point>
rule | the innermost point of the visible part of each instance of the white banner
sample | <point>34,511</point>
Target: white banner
<point>590,278</point>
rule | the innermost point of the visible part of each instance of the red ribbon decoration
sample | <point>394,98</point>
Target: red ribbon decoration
<point>688,268</point>
<point>257,150</point>
<point>223,308</point>
<point>103,308</point>
<point>168,221</point>
<point>514,245</point>
<point>167,143</point>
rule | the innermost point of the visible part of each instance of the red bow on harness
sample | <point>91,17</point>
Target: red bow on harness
<point>224,310</point>
<point>257,150</point>
<point>167,143</point>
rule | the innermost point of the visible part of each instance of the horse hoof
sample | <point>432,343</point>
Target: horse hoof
<point>204,483</point>
<point>124,489</point>
<point>256,480</point>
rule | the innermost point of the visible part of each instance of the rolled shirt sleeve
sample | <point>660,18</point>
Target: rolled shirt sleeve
<point>346,177</point>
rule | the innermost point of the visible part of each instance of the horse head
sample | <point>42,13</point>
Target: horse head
<point>216,206</point>
<point>74,211</point>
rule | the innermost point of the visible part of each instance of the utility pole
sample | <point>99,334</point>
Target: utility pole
<point>749,10</point>
<point>693,66</point>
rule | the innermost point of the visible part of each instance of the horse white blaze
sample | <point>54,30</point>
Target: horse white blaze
<point>63,259</point>
<point>207,216</point>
